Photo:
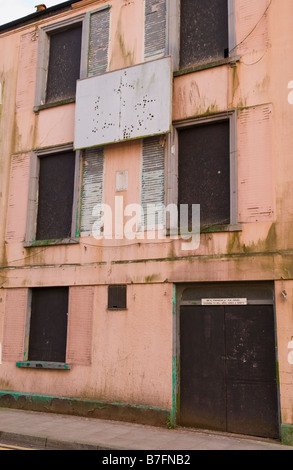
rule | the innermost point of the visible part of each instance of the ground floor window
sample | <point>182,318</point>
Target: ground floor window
<point>48,324</point>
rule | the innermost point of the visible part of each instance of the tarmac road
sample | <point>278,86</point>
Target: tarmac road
<point>6,446</point>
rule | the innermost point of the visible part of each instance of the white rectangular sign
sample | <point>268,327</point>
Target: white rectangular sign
<point>125,104</point>
<point>237,301</point>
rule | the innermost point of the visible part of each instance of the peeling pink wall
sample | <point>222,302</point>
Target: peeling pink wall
<point>201,93</point>
<point>17,205</point>
<point>125,157</point>
<point>126,45</point>
<point>256,194</point>
<point>131,351</point>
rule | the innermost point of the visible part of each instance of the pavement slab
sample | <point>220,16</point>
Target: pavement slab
<point>73,432</point>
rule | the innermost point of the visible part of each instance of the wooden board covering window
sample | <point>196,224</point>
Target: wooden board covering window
<point>64,64</point>
<point>203,31</point>
<point>48,324</point>
<point>117,297</point>
<point>56,189</point>
<point>204,171</point>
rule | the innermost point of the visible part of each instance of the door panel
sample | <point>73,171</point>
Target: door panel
<point>252,409</point>
<point>250,342</point>
<point>202,381</point>
<point>251,370</point>
<point>228,369</point>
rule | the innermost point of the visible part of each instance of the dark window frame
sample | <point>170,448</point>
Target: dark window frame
<point>65,48</point>
<point>232,117</point>
<point>46,360</point>
<point>228,56</point>
<point>43,57</point>
<point>55,196</point>
<point>204,171</point>
<point>31,228</point>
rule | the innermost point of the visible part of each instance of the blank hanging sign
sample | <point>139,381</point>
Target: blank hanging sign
<point>126,104</point>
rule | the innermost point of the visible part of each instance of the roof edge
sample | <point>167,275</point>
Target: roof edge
<point>36,15</point>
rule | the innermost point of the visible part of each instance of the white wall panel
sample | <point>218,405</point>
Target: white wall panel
<point>125,104</point>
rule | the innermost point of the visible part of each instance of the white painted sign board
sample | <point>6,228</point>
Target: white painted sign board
<point>126,104</point>
<point>223,301</point>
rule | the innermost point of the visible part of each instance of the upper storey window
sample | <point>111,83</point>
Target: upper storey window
<point>64,64</point>
<point>69,50</point>
<point>204,31</point>
<point>61,61</point>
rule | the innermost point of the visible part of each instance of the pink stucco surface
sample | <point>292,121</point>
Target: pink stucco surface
<point>130,354</point>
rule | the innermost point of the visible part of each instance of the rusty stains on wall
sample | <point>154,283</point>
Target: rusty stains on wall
<point>126,42</point>
<point>87,408</point>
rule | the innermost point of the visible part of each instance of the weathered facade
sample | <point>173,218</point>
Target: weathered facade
<point>149,327</point>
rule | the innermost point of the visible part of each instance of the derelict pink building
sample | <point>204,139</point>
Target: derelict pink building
<point>113,114</point>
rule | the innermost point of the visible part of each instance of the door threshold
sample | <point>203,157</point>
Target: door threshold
<point>246,437</point>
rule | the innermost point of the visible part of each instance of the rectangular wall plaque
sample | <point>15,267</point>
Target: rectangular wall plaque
<point>224,301</point>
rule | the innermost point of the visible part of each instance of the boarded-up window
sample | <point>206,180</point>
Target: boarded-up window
<point>80,325</point>
<point>14,324</point>
<point>203,31</point>
<point>56,189</point>
<point>155,29</point>
<point>99,42</point>
<point>153,181</point>
<point>64,64</point>
<point>48,324</point>
<point>92,186</point>
<point>117,297</point>
<point>204,171</point>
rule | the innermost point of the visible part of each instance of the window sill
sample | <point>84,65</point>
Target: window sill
<point>61,241</point>
<point>221,228</point>
<point>43,365</point>
<point>118,309</point>
<point>208,65</point>
<point>209,229</point>
<point>52,105</point>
